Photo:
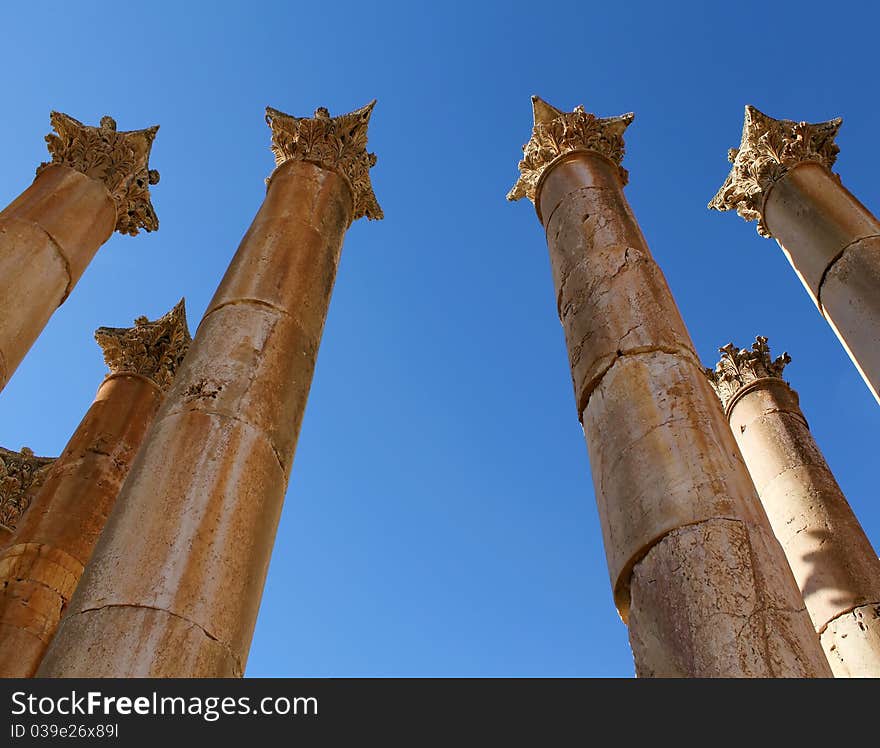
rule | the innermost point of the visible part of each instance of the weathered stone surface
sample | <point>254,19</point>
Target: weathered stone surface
<point>48,236</point>
<point>846,639</point>
<point>665,466</point>
<point>830,556</point>
<point>850,301</point>
<point>40,570</point>
<point>662,458</point>
<point>184,556</point>
<point>612,297</point>
<point>712,600</point>
<point>142,642</point>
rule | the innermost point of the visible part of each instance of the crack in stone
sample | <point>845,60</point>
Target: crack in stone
<point>193,624</point>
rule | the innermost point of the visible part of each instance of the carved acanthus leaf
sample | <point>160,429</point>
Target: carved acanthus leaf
<point>118,159</point>
<point>152,349</point>
<point>337,143</point>
<point>739,367</point>
<point>21,475</point>
<point>556,132</point>
<point>769,148</point>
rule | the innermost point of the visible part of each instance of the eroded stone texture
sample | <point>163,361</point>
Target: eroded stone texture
<point>41,568</point>
<point>832,559</point>
<point>710,600</point>
<point>846,639</point>
<point>782,176</point>
<point>96,182</point>
<point>665,467</point>
<point>21,475</point>
<point>174,586</point>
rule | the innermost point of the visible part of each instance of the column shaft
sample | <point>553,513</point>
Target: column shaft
<point>695,570</point>
<point>48,236</point>
<point>833,562</point>
<point>174,586</point>
<point>40,570</point>
<point>833,243</point>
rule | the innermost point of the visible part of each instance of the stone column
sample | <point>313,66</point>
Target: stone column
<point>832,559</point>
<point>41,568</point>
<point>782,177</point>
<point>21,475</point>
<point>174,587</point>
<point>98,181</point>
<point>695,569</point>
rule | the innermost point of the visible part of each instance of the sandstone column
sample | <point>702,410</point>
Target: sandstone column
<point>781,176</point>
<point>695,569</point>
<point>98,181</point>
<point>41,568</point>
<point>174,587</point>
<point>832,559</point>
<point>21,475</point>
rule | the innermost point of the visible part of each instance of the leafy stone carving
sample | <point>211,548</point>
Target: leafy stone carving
<point>336,143</point>
<point>769,148</point>
<point>151,349</point>
<point>118,159</point>
<point>738,368</point>
<point>556,132</point>
<point>21,475</point>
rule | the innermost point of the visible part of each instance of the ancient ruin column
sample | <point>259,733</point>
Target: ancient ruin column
<point>98,181</point>
<point>832,559</point>
<point>41,568</point>
<point>174,587</point>
<point>695,569</point>
<point>21,476</point>
<point>782,177</point>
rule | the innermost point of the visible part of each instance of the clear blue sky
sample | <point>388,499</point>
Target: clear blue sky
<point>440,518</point>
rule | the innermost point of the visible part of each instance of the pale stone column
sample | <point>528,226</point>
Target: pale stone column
<point>695,569</point>
<point>41,568</point>
<point>98,181</point>
<point>832,559</point>
<point>174,587</point>
<point>781,176</point>
<point>21,475</point>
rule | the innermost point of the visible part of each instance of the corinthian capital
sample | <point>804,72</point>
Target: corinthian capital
<point>556,132</point>
<point>118,159</point>
<point>739,367</point>
<point>337,143</point>
<point>21,475</point>
<point>151,349</point>
<point>769,148</point>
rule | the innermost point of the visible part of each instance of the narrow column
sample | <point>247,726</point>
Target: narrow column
<point>174,587</point>
<point>695,569</point>
<point>21,475</point>
<point>781,176</point>
<point>41,568</point>
<point>98,181</point>
<point>832,559</point>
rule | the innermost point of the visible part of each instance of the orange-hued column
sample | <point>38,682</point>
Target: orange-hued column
<point>98,181</point>
<point>831,557</point>
<point>695,570</point>
<point>782,177</point>
<point>41,568</point>
<point>174,587</point>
